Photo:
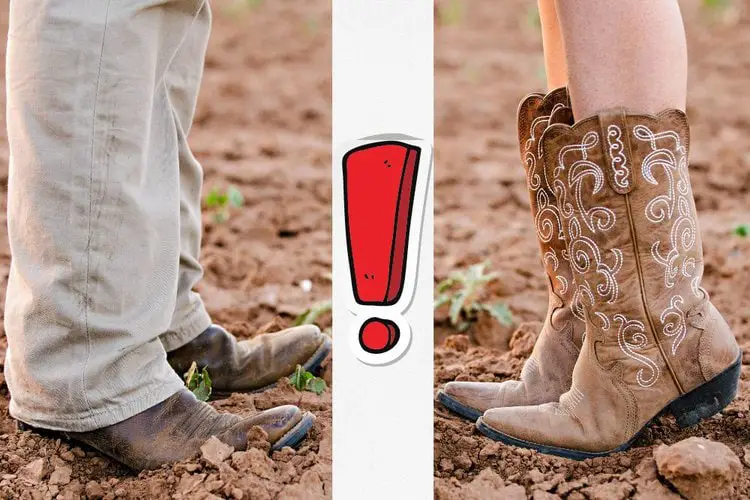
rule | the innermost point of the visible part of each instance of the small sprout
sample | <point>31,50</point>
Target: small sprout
<point>724,11</point>
<point>309,316</point>
<point>743,230</point>
<point>303,380</point>
<point>532,18</point>
<point>311,26</point>
<point>198,382</point>
<point>462,290</point>
<point>717,4</point>
<point>220,203</point>
<point>450,12</point>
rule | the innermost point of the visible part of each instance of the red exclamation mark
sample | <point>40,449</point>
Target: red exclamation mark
<point>379,187</point>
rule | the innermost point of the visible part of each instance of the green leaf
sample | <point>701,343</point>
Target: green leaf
<point>442,299</point>
<point>500,312</point>
<point>302,380</point>
<point>235,197</point>
<point>445,285</point>
<point>316,385</point>
<point>203,391</point>
<point>190,376</point>
<point>457,304</point>
<point>213,198</point>
<point>717,4</point>
<point>309,316</point>
<point>743,230</point>
<point>199,383</point>
<point>450,12</point>
<point>300,377</point>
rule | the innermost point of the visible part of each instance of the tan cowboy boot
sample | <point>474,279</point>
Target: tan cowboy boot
<point>547,373</point>
<point>175,430</point>
<point>654,342</point>
<point>251,365</point>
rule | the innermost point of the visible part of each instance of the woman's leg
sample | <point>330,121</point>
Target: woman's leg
<point>554,50</point>
<point>624,54</point>
<point>654,342</point>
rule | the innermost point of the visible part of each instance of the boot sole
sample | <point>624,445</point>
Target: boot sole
<point>462,410</point>
<point>296,434</point>
<point>689,409</point>
<point>312,365</point>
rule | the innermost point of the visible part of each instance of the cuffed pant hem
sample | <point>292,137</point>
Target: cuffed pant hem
<point>193,325</point>
<point>147,397</point>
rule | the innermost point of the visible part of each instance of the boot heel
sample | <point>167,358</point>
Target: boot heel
<point>708,399</point>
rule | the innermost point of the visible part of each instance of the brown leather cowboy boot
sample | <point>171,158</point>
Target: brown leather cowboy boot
<point>654,342</point>
<point>176,428</point>
<point>251,365</point>
<point>547,373</point>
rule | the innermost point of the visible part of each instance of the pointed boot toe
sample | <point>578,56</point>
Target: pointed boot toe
<point>285,425</point>
<point>470,399</point>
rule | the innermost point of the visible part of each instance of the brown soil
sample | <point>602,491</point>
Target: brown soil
<point>263,125</point>
<point>485,62</point>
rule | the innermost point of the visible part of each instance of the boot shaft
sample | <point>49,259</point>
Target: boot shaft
<point>623,191</point>
<point>534,113</point>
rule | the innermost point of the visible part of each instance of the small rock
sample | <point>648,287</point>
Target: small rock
<point>34,472</point>
<point>94,490</point>
<point>463,461</point>
<point>699,468</point>
<point>523,339</point>
<point>255,461</point>
<point>459,343</point>
<point>257,437</point>
<point>535,476</point>
<point>609,491</point>
<point>543,495</point>
<point>215,452</point>
<point>490,450</point>
<point>61,475</point>
<point>746,456</point>
<point>188,483</point>
<point>446,465</point>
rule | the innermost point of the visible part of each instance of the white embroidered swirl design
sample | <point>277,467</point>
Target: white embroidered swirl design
<point>673,207</point>
<point>586,256</point>
<point>533,180</point>
<point>547,217</point>
<point>632,338</point>
<point>673,321</point>
<point>550,257</point>
<point>617,155</point>
<point>595,218</point>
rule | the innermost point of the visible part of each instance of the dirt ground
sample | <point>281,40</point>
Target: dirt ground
<point>486,60</point>
<point>263,125</point>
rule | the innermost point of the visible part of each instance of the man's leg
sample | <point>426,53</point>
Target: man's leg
<point>234,366</point>
<point>93,208</point>
<point>183,80</point>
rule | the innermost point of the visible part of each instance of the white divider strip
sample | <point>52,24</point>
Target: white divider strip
<point>383,414</point>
